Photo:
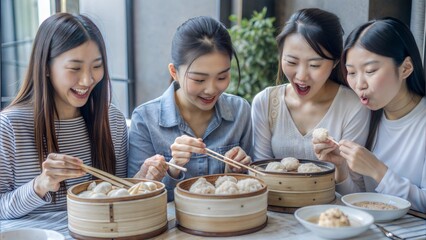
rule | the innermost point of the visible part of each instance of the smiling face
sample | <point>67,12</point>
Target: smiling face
<point>374,78</point>
<point>202,84</point>
<point>73,75</point>
<point>306,70</point>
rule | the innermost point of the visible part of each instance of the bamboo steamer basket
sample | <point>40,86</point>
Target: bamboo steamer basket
<point>291,190</point>
<point>220,215</point>
<point>130,217</point>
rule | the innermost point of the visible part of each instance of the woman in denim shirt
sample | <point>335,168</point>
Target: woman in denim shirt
<point>193,113</point>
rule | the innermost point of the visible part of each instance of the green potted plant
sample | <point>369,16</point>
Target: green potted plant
<point>254,42</point>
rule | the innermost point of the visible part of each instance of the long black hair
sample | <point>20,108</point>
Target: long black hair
<point>320,29</point>
<point>59,33</point>
<point>391,38</point>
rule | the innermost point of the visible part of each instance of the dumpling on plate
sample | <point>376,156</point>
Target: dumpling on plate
<point>333,217</point>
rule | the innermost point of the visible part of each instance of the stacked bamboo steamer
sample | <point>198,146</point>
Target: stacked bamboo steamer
<point>290,190</point>
<point>129,217</point>
<point>220,215</point>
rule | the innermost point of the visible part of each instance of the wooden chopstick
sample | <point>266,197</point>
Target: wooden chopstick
<point>229,161</point>
<point>225,161</point>
<point>332,139</point>
<point>176,166</point>
<point>119,182</point>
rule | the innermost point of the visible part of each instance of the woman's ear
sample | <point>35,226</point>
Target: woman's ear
<point>173,71</point>
<point>406,68</point>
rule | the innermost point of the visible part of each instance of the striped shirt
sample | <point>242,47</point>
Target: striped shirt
<point>19,164</point>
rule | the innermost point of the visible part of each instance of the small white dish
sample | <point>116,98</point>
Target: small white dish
<point>360,221</point>
<point>31,234</point>
<point>379,215</point>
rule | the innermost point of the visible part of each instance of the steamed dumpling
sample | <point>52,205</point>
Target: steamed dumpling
<point>309,168</point>
<point>275,167</point>
<point>290,163</point>
<point>98,195</point>
<point>223,179</point>
<point>103,187</point>
<point>142,187</point>
<point>227,188</point>
<point>119,192</point>
<point>249,185</point>
<point>202,186</point>
<point>320,134</point>
<point>333,217</point>
<point>91,186</point>
<point>85,194</point>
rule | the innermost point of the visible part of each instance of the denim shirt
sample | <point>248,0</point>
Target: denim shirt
<point>156,124</point>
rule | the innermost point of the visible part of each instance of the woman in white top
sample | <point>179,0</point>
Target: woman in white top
<point>384,68</point>
<point>284,117</point>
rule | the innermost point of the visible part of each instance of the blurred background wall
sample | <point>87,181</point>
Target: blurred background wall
<point>138,34</point>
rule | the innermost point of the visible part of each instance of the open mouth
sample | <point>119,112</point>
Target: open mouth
<point>80,92</point>
<point>364,100</point>
<point>207,100</point>
<point>302,89</point>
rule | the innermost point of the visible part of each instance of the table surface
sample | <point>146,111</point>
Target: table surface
<point>280,226</point>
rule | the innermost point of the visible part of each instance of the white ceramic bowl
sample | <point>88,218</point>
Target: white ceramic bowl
<point>379,215</point>
<point>31,234</point>
<point>360,221</point>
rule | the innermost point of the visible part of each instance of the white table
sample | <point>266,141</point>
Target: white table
<point>280,226</point>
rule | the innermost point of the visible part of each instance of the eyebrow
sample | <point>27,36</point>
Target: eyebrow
<point>311,59</point>
<point>206,74</point>
<point>365,64</point>
<point>80,61</point>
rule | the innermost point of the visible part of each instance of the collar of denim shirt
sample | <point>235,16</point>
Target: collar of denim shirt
<point>170,115</point>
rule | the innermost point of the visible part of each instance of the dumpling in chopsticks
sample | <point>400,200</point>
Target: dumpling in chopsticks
<point>202,186</point>
<point>275,167</point>
<point>227,188</point>
<point>223,179</point>
<point>290,163</point>
<point>103,187</point>
<point>249,185</point>
<point>320,134</point>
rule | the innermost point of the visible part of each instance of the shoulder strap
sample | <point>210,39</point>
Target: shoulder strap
<point>273,107</point>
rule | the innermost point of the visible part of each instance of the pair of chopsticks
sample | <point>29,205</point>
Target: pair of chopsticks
<point>116,181</point>
<point>231,162</point>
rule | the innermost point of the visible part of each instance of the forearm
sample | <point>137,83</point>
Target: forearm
<point>21,201</point>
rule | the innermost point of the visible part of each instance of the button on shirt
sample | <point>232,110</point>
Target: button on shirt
<point>156,124</point>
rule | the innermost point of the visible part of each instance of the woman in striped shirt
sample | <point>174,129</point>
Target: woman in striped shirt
<point>60,118</point>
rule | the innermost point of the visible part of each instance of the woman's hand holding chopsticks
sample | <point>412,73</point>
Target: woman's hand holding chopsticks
<point>55,169</point>
<point>239,155</point>
<point>154,168</point>
<point>182,150</point>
